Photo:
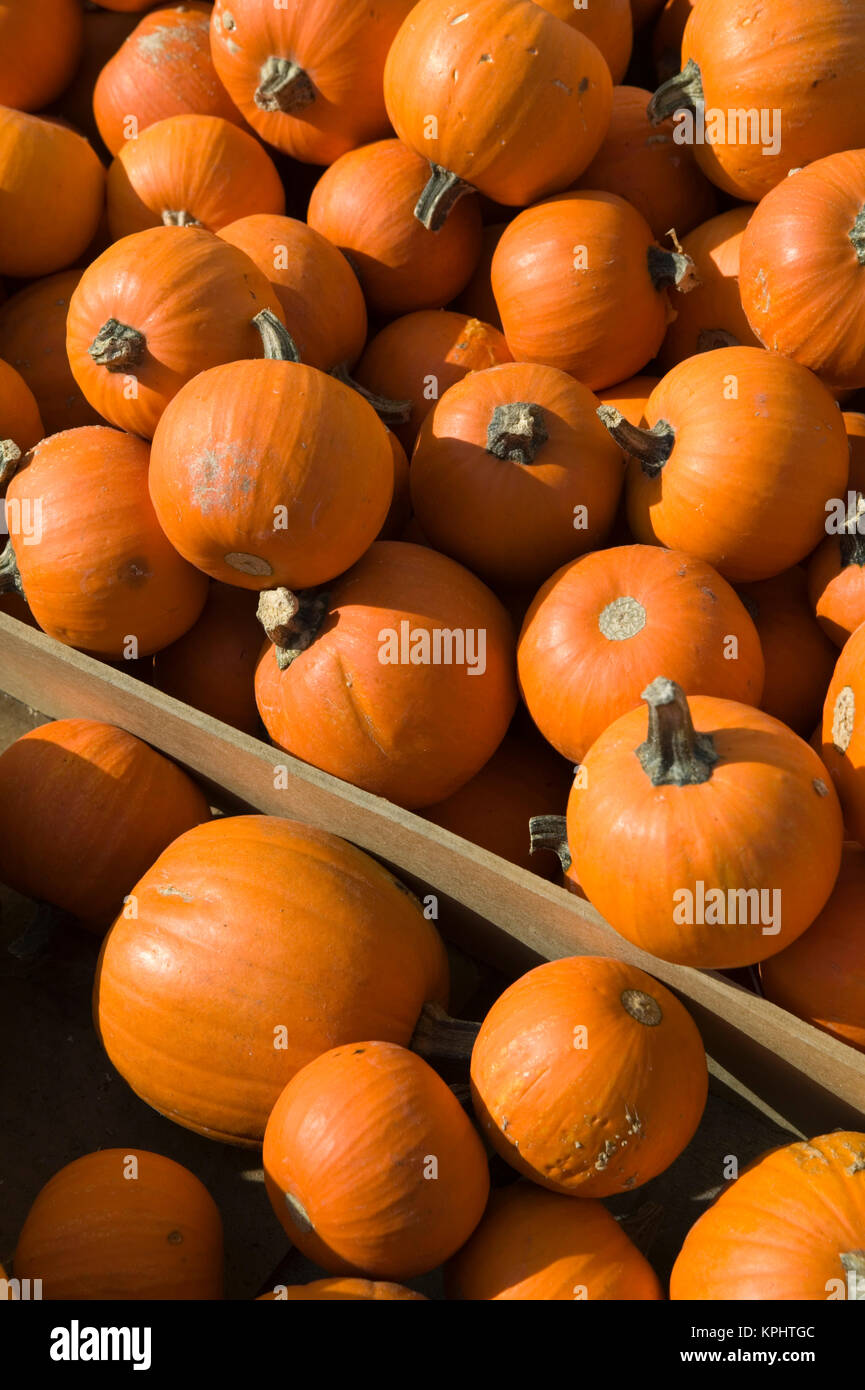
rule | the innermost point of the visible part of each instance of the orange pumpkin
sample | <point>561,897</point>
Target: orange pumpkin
<point>33,341</point>
<point>712,315</point>
<point>843,733</point>
<point>588,1076</point>
<point>20,422</point>
<point>206,1003</point>
<point>854,423</point>
<point>630,397</point>
<point>688,819</point>
<point>343,1290</point>
<point>417,1182</point>
<point>600,627</point>
<point>667,36</point>
<point>95,566</point>
<point>742,450</point>
<point>125,1225</point>
<point>644,11</point>
<point>104,802</point>
<point>836,579</point>
<point>477,299</point>
<point>400,681</point>
<point>521,446</point>
<point>608,26</point>
<point>791,1228</point>
<point>40,44</point>
<point>544,1247</point>
<point>103,34</point>
<point>798,656</point>
<point>212,666</point>
<point>364,205</point>
<point>400,507</point>
<point>156,309</point>
<point>569,273</point>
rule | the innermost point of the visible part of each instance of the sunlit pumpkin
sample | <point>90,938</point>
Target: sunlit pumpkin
<point>711,316</point>
<point>798,657</point>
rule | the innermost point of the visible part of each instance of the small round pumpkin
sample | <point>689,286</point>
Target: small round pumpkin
<point>545,1247</point>
<point>417,1181</point>
<point>790,1228</point>
<point>343,1290</point>
<point>125,1225</point>
<point>688,815</point>
<point>40,44</point>
<point>588,1076</point>
<point>711,316</point>
<point>836,576</point>
<point>843,732</point>
<point>207,1002</point>
<point>85,808</point>
<point>20,422</point>
<point>212,666</point>
<point>797,654</point>
<point>33,341</point>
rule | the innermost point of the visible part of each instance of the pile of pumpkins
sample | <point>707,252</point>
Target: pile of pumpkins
<point>509,478</point>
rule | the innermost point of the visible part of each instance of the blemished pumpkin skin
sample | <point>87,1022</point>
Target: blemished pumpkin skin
<point>464,73</point>
<point>791,1227</point>
<point>364,204</point>
<point>609,26</point>
<point>731,417</point>
<point>807,64</point>
<point>163,69</point>
<point>588,1076</point>
<point>20,422</point>
<point>53,194</point>
<point>156,309</point>
<point>353,703</point>
<point>212,666</point>
<point>322,302</point>
<point>570,272</point>
<point>33,341</point>
<point>643,164</point>
<point>101,571</point>
<point>40,44</point>
<point>385,1213</point>
<point>684,822</point>
<point>821,977</point>
<point>797,654</point>
<point>521,446</point>
<point>711,316</point>
<point>843,733</point>
<point>307,78</point>
<point>417,357</point>
<point>545,1247</point>
<point>342,1290</point>
<point>477,299</point>
<point>190,171</point>
<point>207,1003</point>
<point>125,1225</point>
<point>603,625</point>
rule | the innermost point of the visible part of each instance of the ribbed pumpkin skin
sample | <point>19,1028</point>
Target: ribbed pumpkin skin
<point>798,656</point>
<point>344,1291</point>
<point>20,420</point>
<point>244,440</point>
<point>609,27</point>
<point>244,925</point>
<point>40,44</point>
<point>351,1139</point>
<point>843,733</point>
<point>33,341</point>
<point>436,66</point>
<point>53,194</point>
<point>544,1247</point>
<point>595,1114</point>
<point>413,733</point>
<point>191,295</point>
<point>576,677</point>
<point>780,1230</point>
<point>212,666</point>
<point>705,499</point>
<point>714,306</point>
<point>85,808</point>
<point>666,839</point>
<point>103,570</point>
<point>95,1233</point>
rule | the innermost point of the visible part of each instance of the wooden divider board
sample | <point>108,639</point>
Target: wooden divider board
<point>513,918</point>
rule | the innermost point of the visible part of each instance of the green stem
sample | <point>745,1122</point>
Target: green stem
<point>443,189</point>
<point>682,92</point>
<point>277,342</point>
<point>388,411</point>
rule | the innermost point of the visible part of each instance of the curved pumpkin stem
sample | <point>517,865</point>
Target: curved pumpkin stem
<point>10,578</point>
<point>10,457</point>
<point>674,754</point>
<point>291,621</point>
<point>442,190</point>
<point>277,342</point>
<point>550,832</point>
<point>682,92</point>
<point>852,540</point>
<point>117,347</point>
<point>438,1037</point>
<point>388,411</point>
<point>708,339</point>
<point>283,86</point>
<point>516,432</point>
<point>652,447</point>
<point>672,268</point>
<point>178,219</point>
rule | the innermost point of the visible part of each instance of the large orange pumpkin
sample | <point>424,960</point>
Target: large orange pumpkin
<point>542,1246</point>
<point>588,1076</point>
<point>791,1228</point>
<point>609,27</point>
<point>416,1182</point>
<point>212,666</point>
<point>125,1225</point>
<point>711,316</point>
<point>743,449</point>
<point>33,341</point>
<point>209,1000</point>
<point>400,680</point>
<point>85,808</point>
<point>20,422</point>
<point>581,285</point>
<point>797,654</point>
<point>343,1290</point>
<point>156,309</point>
<point>40,44</point>
<point>674,834</point>
<point>601,627</point>
<point>843,732</point>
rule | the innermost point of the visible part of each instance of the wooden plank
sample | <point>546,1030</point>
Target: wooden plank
<point>817,1082</point>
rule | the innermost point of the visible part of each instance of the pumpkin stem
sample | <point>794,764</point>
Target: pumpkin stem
<point>10,579</point>
<point>291,621</point>
<point>277,342</point>
<point>852,539</point>
<point>857,236</point>
<point>388,411</point>
<point>672,268</point>
<point>853,1262</point>
<point>10,457</point>
<point>442,190</point>
<point>516,432</point>
<point>550,832</point>
<point>652,447</point>
<point>283,86</point>
<point>684,91</point>
<point>117,346</point>
<point>438,1037</point>
<point>674,754</point>
<point>710,338</point>
<point>178,219</point>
